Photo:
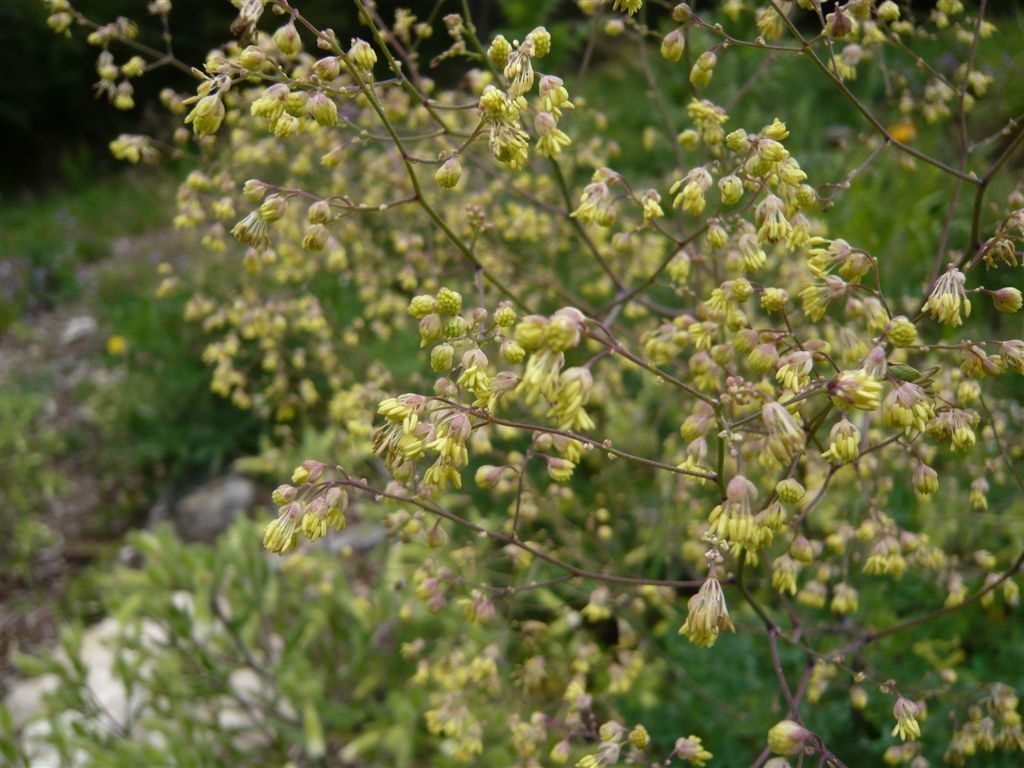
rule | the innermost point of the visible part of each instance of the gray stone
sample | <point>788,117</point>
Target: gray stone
<point>206,512</point>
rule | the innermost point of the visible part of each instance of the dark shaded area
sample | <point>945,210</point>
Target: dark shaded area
<point>55,131</point>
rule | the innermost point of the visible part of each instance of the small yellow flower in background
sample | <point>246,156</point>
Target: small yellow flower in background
<point>703,69</point>
<point>117,345</point>
<point>925,480</point>
<point>905,711</point>
<point>844,443</point>
<point>948,298</point>
<point>627,6</point>
<point>692,750</point>
<point>856,389</point>
<point>977,497</point>
<point>784,572</point>
<point>844,600</point>
<point>559,754</point>
<point>639,737</point>
<point>790,491</point>
<point>785,437</point>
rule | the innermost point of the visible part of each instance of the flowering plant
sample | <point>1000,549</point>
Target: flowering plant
<point>676,396</point>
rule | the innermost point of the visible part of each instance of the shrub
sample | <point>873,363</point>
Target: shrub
<point>690,381</point>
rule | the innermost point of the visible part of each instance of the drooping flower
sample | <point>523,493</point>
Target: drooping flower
<point>707,615</point>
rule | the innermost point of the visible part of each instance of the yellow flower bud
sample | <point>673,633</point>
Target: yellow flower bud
<point>541,40</point>
<point>421,306</point>
<point>901,332</point>
<point>790,491</point>
<point>787,737</point>
<point>441,358</point>
<point>273,208</point>
<point>498,52</point>
<point>287,40</point>
<point>251,58</point>
<point>1007,300</point>
<point>673,44</point>
<point>449,173</point>
<point>322,109</point>
<point>449,302</point>
<point>207,115</point>
<point>505,316</point>
<point>362,54</point>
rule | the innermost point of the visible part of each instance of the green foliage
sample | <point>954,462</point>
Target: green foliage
<point>47,242</point>
<point>155,408</point>
<point>28,480</point>
<point>224,653</point>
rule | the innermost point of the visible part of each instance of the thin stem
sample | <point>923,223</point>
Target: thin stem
<point>582,573</point>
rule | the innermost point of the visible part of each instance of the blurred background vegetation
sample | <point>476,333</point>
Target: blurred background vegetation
<point>106,410</point>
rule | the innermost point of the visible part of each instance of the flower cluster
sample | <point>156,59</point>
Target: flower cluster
<point>665,380</point>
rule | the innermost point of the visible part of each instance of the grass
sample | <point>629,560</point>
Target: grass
<point>46,239</point>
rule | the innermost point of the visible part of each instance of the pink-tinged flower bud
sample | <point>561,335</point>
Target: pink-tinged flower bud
<point>430,328</point>
<point>319,212</point>
<point>673,44</point>
<point>838,25</point>
<point>449,173</point>
<point>876,364</point>
<point>251,57</point>
<point>328,68</point>
<point>681,13</point>
<point>287,40</point>
<point>787,737</point>
<point>802,550</point>
<point>437,537</point>
<point>488,476</point>
<point>273,208</point>
<point>741,490</point>
<point>1007,299</point>
<point>322,109</point>
<point>284,494</point>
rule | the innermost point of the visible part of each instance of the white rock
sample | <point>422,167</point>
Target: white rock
<point>78,328</point>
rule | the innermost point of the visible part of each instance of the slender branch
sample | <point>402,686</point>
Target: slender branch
<point>582,573</point>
